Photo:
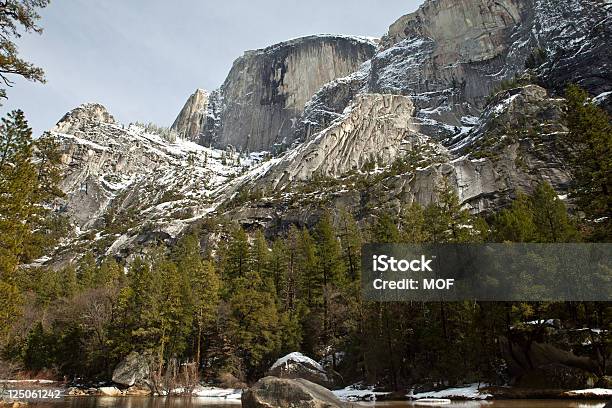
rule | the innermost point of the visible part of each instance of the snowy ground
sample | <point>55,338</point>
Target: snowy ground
<point>218,393</point>
<point>470,392</point>
<point>357,393</point>
<point>591,393</point>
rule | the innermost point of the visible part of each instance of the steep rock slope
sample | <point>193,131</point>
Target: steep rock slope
<point>120,181</point>
<point>364,130</point>
<point>520,141</point>
<point>191,118</point>
<point>449,56</point>
<point>265,92</point>
<point>375,129</point>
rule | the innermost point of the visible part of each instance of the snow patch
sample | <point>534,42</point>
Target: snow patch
<point>356,392</point>
<point>297,357</point>
<point>470,392</point>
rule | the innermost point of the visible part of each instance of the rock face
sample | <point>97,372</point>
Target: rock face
<point>81,118</point>
<point>357,124</point>
<point>285,393</point>
<point>112,171</point>
<point>297,365</point>
<point>190,120</point>
<point>449,56</point>
<point>374,129</point>
<point>264,94</point>
<point>486,164</point>
<point>134,369</point>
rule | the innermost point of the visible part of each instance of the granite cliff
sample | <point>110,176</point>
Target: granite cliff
<point>465,92</point>
<point>259,103</point>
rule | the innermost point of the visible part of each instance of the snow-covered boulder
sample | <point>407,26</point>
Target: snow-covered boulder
<point>297,365</point>
<point>284,392</point>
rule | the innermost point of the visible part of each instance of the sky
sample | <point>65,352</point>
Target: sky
<point>143,58</point>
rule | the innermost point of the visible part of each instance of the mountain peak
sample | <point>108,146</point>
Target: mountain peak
<point>87,113</point>
<point>191,117</point>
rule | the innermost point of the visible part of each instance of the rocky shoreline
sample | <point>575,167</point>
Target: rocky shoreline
<point>350,393</point>
<point>294,376</point>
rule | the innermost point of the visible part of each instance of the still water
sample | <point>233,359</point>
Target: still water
<point>177,402</point>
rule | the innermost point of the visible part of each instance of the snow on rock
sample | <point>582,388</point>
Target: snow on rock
<point>146,181</point>
<point>470,392</point>
<point>591,393</point>
<point>217,393</point>
<point>356,392</point>
<point>296,365</point>
<point>296,357</point>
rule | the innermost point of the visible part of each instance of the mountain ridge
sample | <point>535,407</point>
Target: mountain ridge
<point>421,106</point>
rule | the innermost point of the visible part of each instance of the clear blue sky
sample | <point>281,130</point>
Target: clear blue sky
<point>143,58</point>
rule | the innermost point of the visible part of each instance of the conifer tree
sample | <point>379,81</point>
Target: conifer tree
<point>235,262</point>
<point>307,264</point>
<point>108,274</point>
<point>329,253</point>
<point>446,220</point>
<point>205,286</point>
<point>550,216</point>
<point>516,224</point>
<point>351,239</point>
<point>280,273</point>
<point>254,322</point>
<point>16,17</point>
<point>260,258</point>
<point>385,230</point>
<point>591,136</point>
<point>87,271</point>
<point>175,310</point>
<point>413,224</point>
<point>26,189</point>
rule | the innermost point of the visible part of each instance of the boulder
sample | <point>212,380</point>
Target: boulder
<point>228,380</point>
<point>138,390</point>
<point>110,391</point>
<point>132,370</point>
<point>297,365</point>
<point>283,392</point>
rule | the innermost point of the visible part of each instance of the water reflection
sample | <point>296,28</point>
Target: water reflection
<point>493,404</point>
<point>177,402</point>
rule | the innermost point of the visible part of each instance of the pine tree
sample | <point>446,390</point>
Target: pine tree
<point>206,300</point>
<point>385,231</point>
<point>175,310</point>
<point>332,274</point>
<point>279,271</point>
<point>26,189</point>
<point>259,258</point>
<point>447,221</point>
<point>351,240</point>
<point>591,135</point>
<point>516,224</point>
<point>540,217</point>
<point>550,216</point>
<point>87,270</point>
<point>235,261</point>
<point>16,17</point>
<point>329,253</point>
<point>307,264</point>
<point>108,274</point>
<point>205,286</point>
<point>254,322</point>
<point>413,224</point>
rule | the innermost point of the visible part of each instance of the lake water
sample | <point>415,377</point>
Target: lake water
<point>178,402</point>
